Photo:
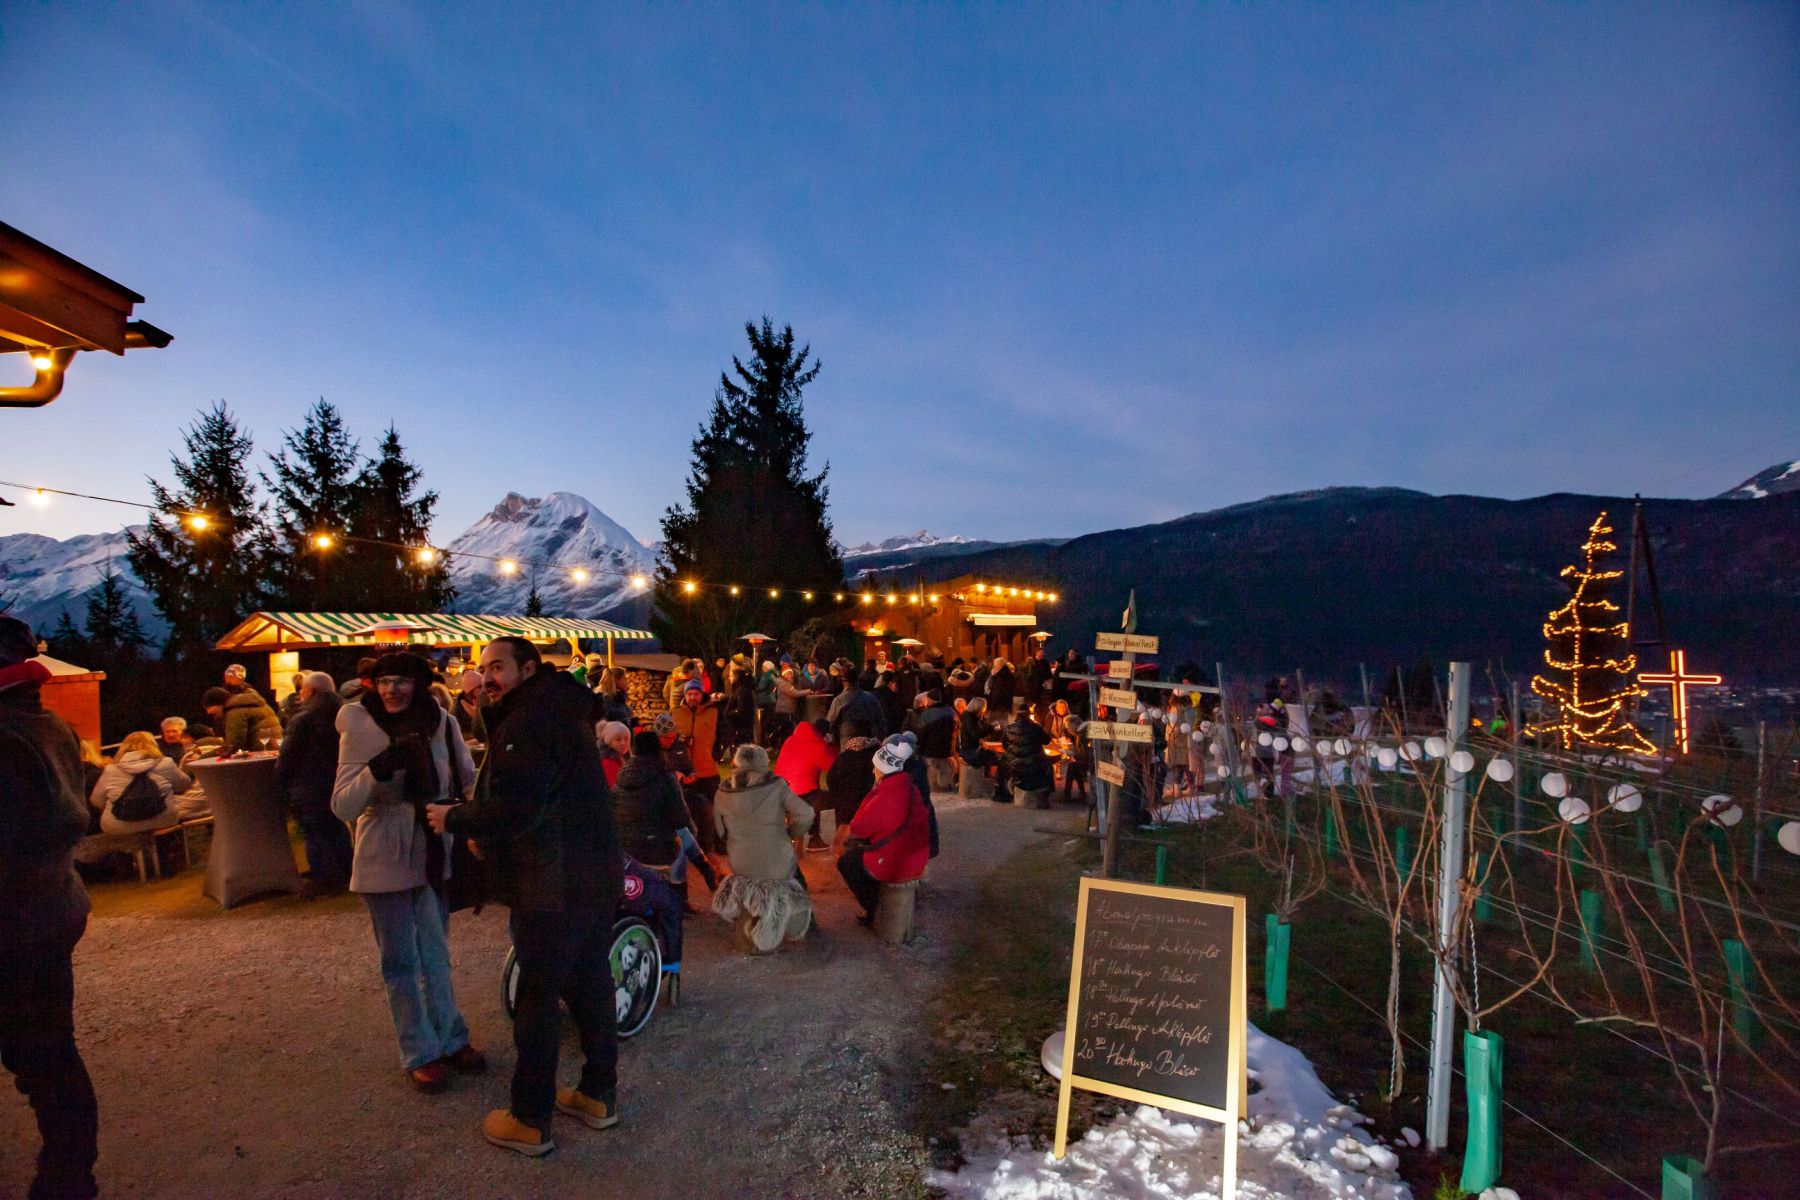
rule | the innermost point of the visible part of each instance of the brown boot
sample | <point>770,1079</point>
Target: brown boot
<point>509,1133</point>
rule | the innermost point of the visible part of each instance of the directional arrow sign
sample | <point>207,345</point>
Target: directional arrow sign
<point>1111,773</point>
<point>1122,698</point>
<point>1126,643</point>
<point>1117,731</point>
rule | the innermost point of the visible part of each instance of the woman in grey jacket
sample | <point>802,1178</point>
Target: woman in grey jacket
<point>397,751</point>
<point>140,755</point>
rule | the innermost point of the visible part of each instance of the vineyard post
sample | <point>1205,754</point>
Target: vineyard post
<point>1450,870</point>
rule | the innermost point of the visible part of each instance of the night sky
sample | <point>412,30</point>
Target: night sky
<point>1065,272</point>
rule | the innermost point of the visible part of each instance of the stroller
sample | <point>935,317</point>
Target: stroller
<point>646,950</point>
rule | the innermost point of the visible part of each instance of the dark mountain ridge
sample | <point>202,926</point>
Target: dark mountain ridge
<point>1325,580</point>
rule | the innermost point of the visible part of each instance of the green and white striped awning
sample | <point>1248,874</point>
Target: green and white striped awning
<point>298,631</point>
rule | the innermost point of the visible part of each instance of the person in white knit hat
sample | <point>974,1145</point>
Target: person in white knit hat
<point>890,839</point>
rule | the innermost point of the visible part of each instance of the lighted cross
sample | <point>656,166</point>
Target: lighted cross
<point>1678,682</point>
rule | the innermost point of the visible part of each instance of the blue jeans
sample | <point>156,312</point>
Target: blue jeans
<point>414,935</point>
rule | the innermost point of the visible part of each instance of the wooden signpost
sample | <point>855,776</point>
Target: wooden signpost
<point>1118,668</point>
<point>1157,1005</point>
<point>1111,773</point>
<point>1123,699</point>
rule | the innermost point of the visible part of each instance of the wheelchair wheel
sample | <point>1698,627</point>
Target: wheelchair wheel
<point>637,973</point>
<point>636,961</point>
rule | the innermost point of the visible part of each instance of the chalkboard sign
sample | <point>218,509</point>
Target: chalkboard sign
<point>1157,1004</point>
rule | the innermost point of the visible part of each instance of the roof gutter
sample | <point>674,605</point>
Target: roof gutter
<point>52,366</point>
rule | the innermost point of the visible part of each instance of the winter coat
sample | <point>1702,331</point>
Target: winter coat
<point>1026,766</point>
<point>759,816</point>
<point>648,807</point>
<point>699,728</point>
<point>1176,752</point>
<point>970,730</point>
<point>805,759</point>
<point>168,778</point>
<point>248,716</point>
<point>851,777</point>
<point>849,705</point>
<point>1036,679</point>
<point>1002,686</point>
<point>765,690</point>
<point>307,770</point>
<point>541,810</point>
<point>788,696</point>
<point>935,727</point>
<point>894,807</point>
<point>42,814</point>
<point>893,708</point>
<point>390,851</point>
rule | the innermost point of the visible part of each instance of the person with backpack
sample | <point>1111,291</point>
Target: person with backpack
<point>397,752</point>
<point>142,789</point>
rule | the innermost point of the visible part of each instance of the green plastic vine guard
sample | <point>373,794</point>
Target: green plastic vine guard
<point>1659,874</point>
<point>1684,1178</point>
<point>1275,961</point>
<point>1481,1071</point>
<point>1741,982</point>
<point>1643,830</point>
<point>1331,834</point>
<point>1162,864</point>
<point>1591,925</point>
<point>1403,850</point>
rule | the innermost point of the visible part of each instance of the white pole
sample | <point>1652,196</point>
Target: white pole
<point>1450,869</point>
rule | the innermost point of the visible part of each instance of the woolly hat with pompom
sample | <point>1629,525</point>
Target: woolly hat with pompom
<point>892,757</point>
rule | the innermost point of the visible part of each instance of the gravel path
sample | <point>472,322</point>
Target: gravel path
<point>254,1056</point>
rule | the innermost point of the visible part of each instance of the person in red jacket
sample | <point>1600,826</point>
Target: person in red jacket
<point>805,757</point>
<point>891,835</point>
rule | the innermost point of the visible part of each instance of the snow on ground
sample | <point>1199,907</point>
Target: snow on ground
<point>1299,1144</point>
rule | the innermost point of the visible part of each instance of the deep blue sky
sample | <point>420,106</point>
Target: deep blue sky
<point>1065,272</point>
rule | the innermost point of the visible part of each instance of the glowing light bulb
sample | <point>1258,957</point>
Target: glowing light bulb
<point>734,589</point>
<point>933,597</point>
<point>891,597</point>
<point>40,497</point>
<point>580,575</point>
<point>508,567</point>
<point>425,556</point>
<point>806,595</point>
<point>981,587</point>
<point>321,541</point>
<point>690,587</point>
<point>42,362</point>
<point>198,522</point>
<point>639,582</point>
<point>866,597</point>
<point>913,599</point>
<point>838,596</point>
<point>1053,597</point>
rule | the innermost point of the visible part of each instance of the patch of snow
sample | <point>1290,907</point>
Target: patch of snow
<point>1298,1144</point>
<point>905,541</point>
<point>561,531</point>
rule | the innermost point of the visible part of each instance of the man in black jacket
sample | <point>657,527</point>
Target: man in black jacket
<point>43,913</point>
<point>543,819</point>
<point>306,773</point>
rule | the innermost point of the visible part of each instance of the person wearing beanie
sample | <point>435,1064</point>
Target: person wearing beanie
<point>890,839</point>
<point>651,814</point>
<point>759,816</point>
<point>43,914</point>
<point>240,712</point>
<point>921,779</point>
<point>856,702</point>
<point>615,746</point>
<point>696,724</point>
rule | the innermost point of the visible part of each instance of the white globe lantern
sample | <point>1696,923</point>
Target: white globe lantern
<point>1435,747</point>
<point>1554,785</point>
<point>1388,759</point>
<point>1789,837</point>
<point>1265,738</point>
<point>1721,809</point>
<point>1410,752</point>
<point>1343,745</point>
<point>1281,744</point>
<point>1462,762</point>
<point>1499,770</point>
<point>1625,798</point>
<point>1573,809</point>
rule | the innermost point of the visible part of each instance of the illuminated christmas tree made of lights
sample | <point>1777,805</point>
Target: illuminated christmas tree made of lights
<point>1591,678</point>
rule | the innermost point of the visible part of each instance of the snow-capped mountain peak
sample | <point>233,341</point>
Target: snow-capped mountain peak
<point>550,538</point>
<point>1782,477</point>
<point>905,541</point>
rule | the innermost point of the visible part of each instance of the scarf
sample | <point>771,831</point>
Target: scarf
<point>413,730</point>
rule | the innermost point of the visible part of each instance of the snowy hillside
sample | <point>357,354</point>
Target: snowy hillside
<point>42,576</point>
<point>905,541</point>
<point>563,532</point>
<point>1782,477</point>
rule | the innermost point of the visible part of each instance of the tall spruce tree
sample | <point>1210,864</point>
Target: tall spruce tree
<point>65,641</point>
<point>311,484</point>
<point>114,633</point>
<point>389,508</point>
<point>201,555</point>
<point>754,517</point>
